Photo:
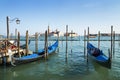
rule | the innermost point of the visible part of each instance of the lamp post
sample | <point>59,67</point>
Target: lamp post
<point>8,20</point>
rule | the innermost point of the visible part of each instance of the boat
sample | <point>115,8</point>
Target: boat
<point>35,56</point>
<point>97,55</point>
<point>8,48</point>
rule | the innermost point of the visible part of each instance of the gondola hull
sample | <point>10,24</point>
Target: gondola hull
<point>34,56</point>
<point>101,59</point>
<point>106,64</point>
<point>20,61</point>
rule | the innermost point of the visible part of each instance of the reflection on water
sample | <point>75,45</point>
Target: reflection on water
<point>101,71</point>
<point>58,67</point>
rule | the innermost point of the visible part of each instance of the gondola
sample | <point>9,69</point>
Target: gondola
<point>96,55</point>
<point>35,56</point>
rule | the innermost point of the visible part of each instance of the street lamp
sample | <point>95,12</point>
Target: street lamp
<point>8,20</point>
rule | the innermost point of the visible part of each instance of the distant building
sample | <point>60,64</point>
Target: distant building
<point>105,34</point>
<point>73,34</point>
<point>102,34</point>
<point>53,33</point>
<point>117,34</point>
<point>92,35</point>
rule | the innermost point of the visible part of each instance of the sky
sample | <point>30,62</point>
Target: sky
<point>36,15</point>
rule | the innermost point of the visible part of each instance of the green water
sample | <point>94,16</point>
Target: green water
<point>60,67</point>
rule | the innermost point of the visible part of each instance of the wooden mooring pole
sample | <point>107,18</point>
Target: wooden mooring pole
<point>119,40</point>
<point>18,44</point>
<point>62,40</point>
<point>66,40</point>
<point>27,38</point>
<point>109,53</point>
<point>88,36</point>
<point>84,42</point>
<point>66,58</point>
<point>58,35</point>
<point>111,40</point>
<point>46,45</point>
<point>7,20</point>
<point>99,40</point>
<point>16,36</point>
<point>71,39</point>
<point>58,41</point>
<point>87,42</point>
<point>36,42</point>
<point>15,33</point>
